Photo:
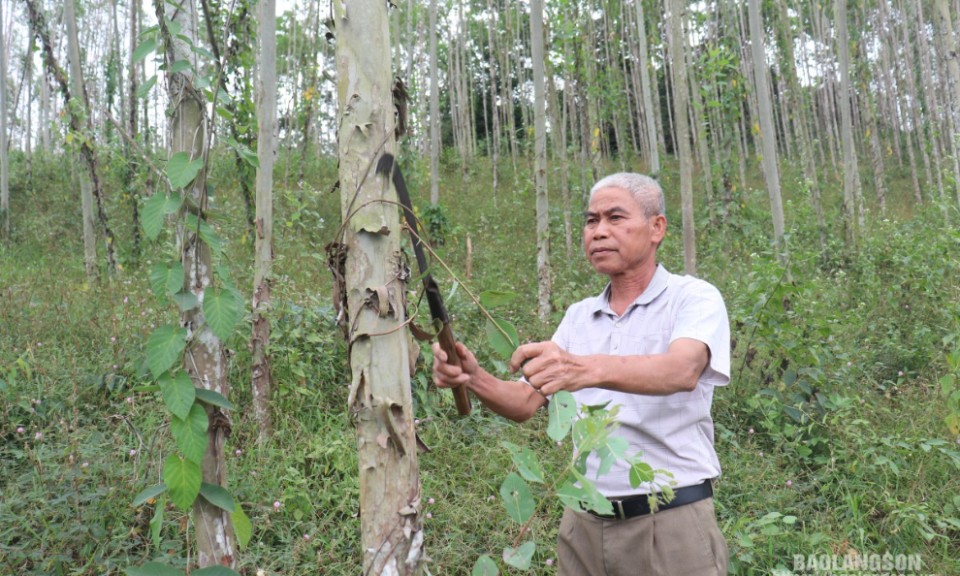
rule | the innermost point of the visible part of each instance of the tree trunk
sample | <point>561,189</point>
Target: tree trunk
<point>950,48</point>
<point>4,183</point>
<point>79,124</point>
<point>434,109</point>
<point>205,357</point>
<point>851,177</point>
<point>494,137</point>
<point>390,521</point>
<point>681,109</point>
<point>540,159</point>
<point>86,192</point>
<point>649,116</point>
<point>263,243</point>
<point>768,132</point>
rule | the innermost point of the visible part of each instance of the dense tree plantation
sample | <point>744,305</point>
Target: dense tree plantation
<point>211,316</point>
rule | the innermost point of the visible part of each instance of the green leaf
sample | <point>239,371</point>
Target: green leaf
<point>244,152</point>
<point>640,473</point>
<point>164,347</point>
<point>178,393</point>
<point>214,571</point>
<point>242,526</point>
<point>191,432</point>
<point>185,300</point>
<point>151,216</point>
<point>503,345</point>
<point>207,233</point>
<point>221,310</point>
<point>148,493</point>
<point>145,48</point>
<point>184,478</point>
<point>214,398</point>
<point>495,298</point>
<point>525,461</point>
<point>156,521</point>
<point>144,90</point>
<point>218,496</point>
<point>180,66</point>
<point>516,498</point>
<point>563,411</point>
<point>520,557</point>
<point>166,278</point>
<point>181,171</point>
<point>153,569</point>
<point>485,566</point>
<point>591,498</point>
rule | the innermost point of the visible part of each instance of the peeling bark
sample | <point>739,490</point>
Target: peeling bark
<point>380,401</point>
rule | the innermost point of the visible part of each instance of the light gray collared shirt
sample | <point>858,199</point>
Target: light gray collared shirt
<point>675,432</point>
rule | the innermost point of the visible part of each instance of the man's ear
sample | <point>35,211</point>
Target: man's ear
<point>659,225</point>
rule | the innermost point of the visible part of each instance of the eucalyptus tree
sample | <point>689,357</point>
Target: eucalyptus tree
<point>4,182</point>
<point>851,171</point>
<point>263,229</point>
<point>681,136</point>
<point>540,159</point>
<point>950,52</point>
<point>373,292</point>
<point>78,114</point>
<point>643,65</point>
<point>205,358</point>
<point>768,132</point>
<point>435,110</point>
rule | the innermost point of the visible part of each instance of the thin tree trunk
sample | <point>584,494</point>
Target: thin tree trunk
<point>434,109</point>
<point>205,356</point>
<point>768,135</point>
<point>263,243</point>
<point>851,178</point>
<point>4,177</point>
<point>540,155</point>
<point>494,137</point>
<point>81,126</point>
<point>681,107</point>
<point>949,49</point>
<point>390,522</point>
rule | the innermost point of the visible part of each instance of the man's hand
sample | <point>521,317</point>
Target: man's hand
<point>449,376</point>
<point>548,368</point>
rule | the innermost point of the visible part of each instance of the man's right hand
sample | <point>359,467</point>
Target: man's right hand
<point>447,375</point>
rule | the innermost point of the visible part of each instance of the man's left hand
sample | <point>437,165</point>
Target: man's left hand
<point>548,368</point>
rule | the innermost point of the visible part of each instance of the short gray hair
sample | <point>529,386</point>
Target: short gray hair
<point>644,189</point>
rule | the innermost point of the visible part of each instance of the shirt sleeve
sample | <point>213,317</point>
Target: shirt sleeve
<point>702,315</point>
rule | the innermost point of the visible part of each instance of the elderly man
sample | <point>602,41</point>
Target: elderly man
<point>653,342</point>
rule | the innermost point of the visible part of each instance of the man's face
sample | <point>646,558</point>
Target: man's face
<point>618,237</point>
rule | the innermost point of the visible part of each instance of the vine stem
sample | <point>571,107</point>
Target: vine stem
<point>433,255</point>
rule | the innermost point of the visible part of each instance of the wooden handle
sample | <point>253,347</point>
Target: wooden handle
<point>449,345</point>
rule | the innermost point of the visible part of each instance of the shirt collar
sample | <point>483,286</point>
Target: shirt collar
<point>656,287</point>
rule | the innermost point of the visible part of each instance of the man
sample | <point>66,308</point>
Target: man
<point>653,342</point>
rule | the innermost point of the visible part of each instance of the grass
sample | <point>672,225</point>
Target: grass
<point>831,434</point>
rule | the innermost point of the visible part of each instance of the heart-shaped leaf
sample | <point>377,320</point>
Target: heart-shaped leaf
<point>164,347</point>
<point>191,432</point>
<point>516,498</point>
<point>222,309</point>
<point>178,393</point>
<point>521,556</point>
<point>183,477</point>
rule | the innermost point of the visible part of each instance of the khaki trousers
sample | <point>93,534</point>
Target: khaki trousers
<point>682,541</point>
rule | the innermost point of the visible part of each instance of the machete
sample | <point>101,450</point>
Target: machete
<point>388,167</point>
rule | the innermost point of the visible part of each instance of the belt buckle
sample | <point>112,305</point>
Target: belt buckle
<point>618,511</point>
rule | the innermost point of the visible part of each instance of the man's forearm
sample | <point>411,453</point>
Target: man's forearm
<point>509,398</point>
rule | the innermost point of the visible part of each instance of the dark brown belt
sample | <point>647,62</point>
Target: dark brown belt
<point>640,505</point>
